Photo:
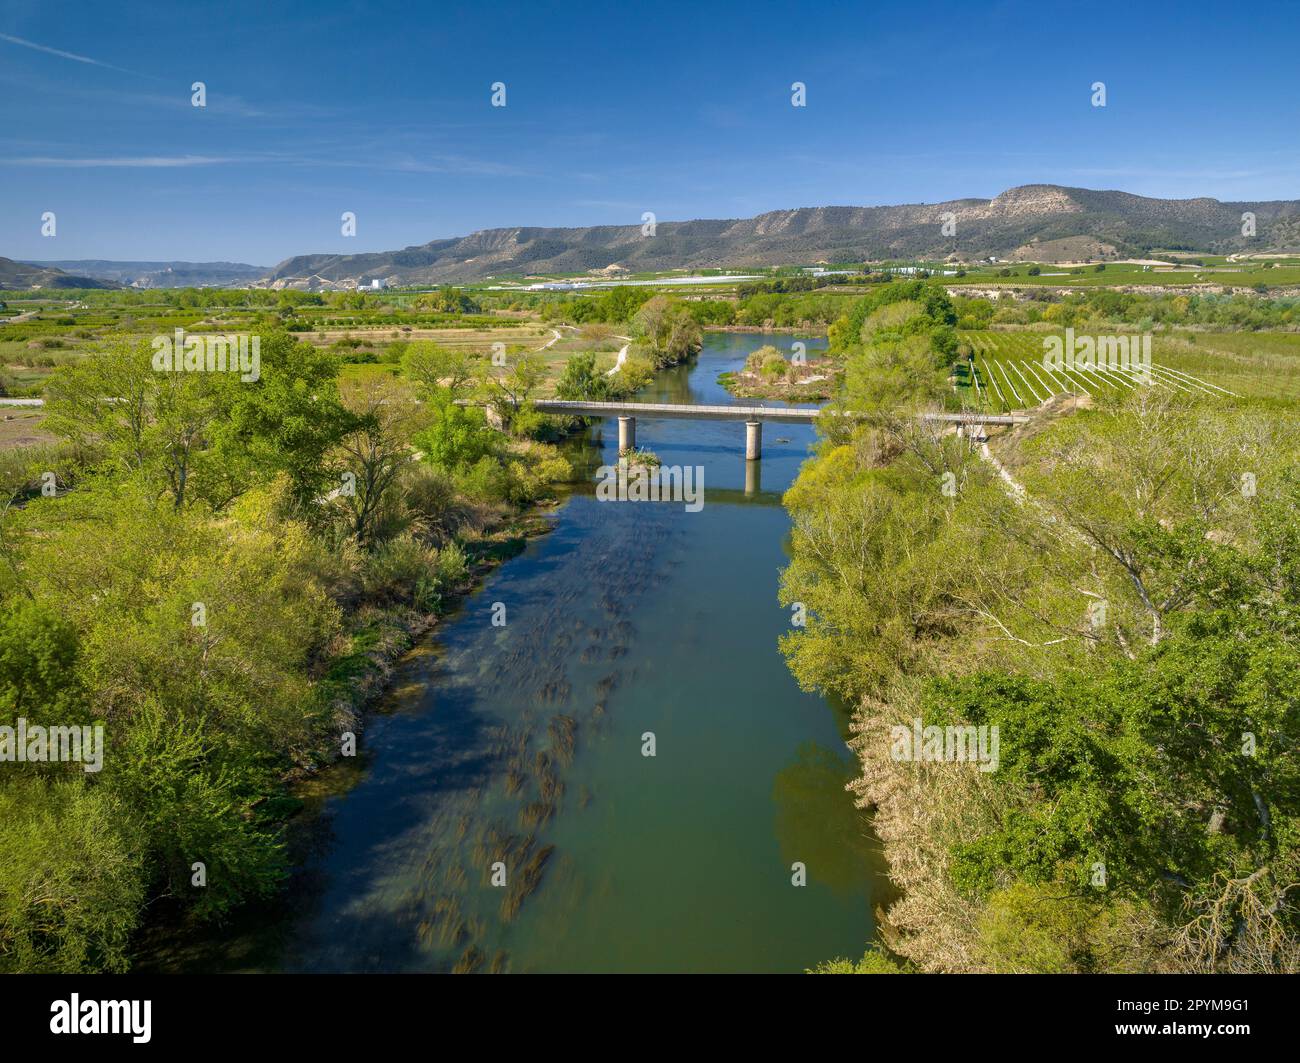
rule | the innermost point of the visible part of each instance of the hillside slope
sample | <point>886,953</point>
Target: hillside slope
<point>161,274</point>
<point>21,275</point>
<point>1012,225</point>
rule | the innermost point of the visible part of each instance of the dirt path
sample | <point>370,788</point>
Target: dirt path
<point>555,338</point>
<point>622,354</point>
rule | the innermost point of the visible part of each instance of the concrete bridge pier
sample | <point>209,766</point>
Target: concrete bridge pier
<point>753,440</point>
<point>626,434</point>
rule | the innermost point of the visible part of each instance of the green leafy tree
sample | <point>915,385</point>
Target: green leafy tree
<point>581,380</point>
<point>159,426</point>
<point>434,371</point>
<point>290,421</point>
<point>457,436</point>
<point>666,329</point>
<point>387,418</point>
<point>508,393</point>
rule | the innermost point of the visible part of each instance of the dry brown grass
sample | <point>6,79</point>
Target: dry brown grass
<point>921,811</point>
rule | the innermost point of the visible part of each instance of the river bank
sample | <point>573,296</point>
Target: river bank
<point>393,632</point>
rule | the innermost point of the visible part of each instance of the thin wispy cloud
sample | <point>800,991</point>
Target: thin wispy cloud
<point>150,162</point>
<point>221,104</point>
<point>456,164</point>
<point>441,164</point>
<point>66,55</point>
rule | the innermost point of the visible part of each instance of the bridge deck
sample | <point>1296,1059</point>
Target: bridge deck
<point>690,412</point>
<point>684,411</point>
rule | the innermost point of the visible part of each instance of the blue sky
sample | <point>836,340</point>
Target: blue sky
<point>612,109</point>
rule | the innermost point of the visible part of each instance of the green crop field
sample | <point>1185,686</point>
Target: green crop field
<point>1008,371</point>
<point>1245,274</point>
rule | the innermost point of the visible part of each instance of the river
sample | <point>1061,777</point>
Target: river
<point>523,744</point>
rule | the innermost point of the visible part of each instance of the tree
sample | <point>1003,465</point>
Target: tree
<point>194,639</point>
<point>666,329</point>
<point>205,435</point>
<point>1145,812</point>
<point>290,420</point>
<point>893,376</point>
<point>71,882</point>
<point>433,370</point>
<point>509,392</point>
<point>581,380</point>
<point>378,447</point>
<point>449,300</point>
<point>160,426</point>
<point>456,437</point>
<point>38,656</point>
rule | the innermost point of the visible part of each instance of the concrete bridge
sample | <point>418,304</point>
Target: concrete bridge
<point>753,416</point>
<point>628,412</point>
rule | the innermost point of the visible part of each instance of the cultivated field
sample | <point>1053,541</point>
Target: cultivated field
<point>1008,370</point>
<point>50,333</point>
<point>1216,271</point>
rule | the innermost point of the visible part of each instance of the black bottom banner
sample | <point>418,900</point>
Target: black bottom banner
<point>309,1012</point>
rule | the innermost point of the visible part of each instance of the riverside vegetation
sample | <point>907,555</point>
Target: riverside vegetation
<point>1114,588</point>
<point>219,572</point>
